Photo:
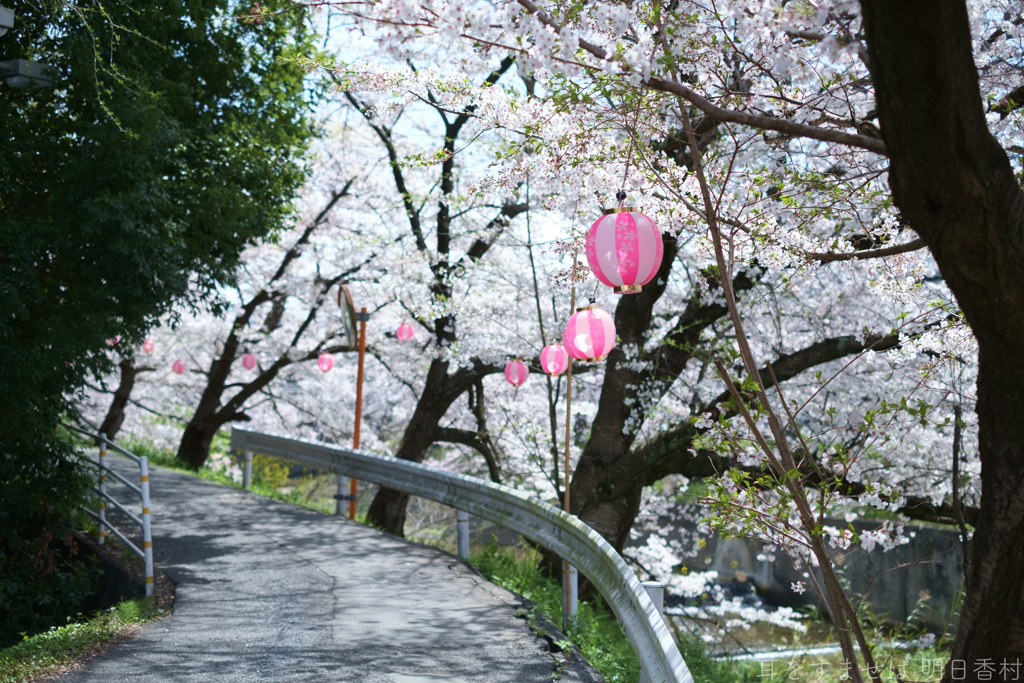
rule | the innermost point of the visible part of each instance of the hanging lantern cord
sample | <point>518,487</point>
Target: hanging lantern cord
<point>621,196</point>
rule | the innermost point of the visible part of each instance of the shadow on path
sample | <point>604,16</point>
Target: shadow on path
<point>267,591</point>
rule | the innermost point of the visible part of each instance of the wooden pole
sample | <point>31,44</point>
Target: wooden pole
<point>354,483</point>
<point>567,602</point>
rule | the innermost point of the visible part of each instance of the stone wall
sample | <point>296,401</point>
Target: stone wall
<point>925,574</point>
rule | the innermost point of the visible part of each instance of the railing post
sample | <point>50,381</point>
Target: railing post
<point>147,529</point>
<point>101,486</point>
<point>246,470</point>
<point>656,592</point>
<point>462,525</point>
<point>341,495</point>
<point>570,593</point>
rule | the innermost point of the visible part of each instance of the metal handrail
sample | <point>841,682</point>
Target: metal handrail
<point>114,530</point>
<point>561,533</point>
<point>117,476</point>
<point>129,454</point>
<point>142,490</point>
<point>113,501</point>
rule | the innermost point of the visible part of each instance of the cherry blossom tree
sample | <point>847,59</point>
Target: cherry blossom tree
<point>852,105</point>
<point>799,347</point>
<point>437,313</point>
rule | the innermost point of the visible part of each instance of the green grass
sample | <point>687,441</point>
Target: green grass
<point>55,650</point>
<point>298,495</point>
<point>594,631</point>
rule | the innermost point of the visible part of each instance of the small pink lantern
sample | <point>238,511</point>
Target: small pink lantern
<point>148,346</point>
<point>178,367</point>
<point>589,334</point>
<point>405,332</point>
<point>624,249</point>
<point>325,362</point>
<point>249,361</point>
<point>554,359</point>
<point>516,372</point>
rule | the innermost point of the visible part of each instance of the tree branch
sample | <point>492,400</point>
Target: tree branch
<point>396,170</point>
<point>727,115</point>
<point>667,453</point>
<point>828,257</point>
<point>494,229</point>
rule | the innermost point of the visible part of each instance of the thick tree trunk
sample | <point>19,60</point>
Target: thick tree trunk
<point>387,511</point>
<point>601,463</point>
<point>953,181</point>
<point>992,618</point>
<point>599,497</point>
<point>115,414</point>
<point>194,448</point>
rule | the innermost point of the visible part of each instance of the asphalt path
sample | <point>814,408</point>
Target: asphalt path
<point>267,591</point>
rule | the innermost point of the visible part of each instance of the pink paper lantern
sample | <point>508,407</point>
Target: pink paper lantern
<point>148,346</point>
<point>405,332</point>
<point>624,249</point>
<point>589,334</point>
<point>516,372</point>
<point>554,359</point>
<point>178,367</point>
<point>249,361</point>
<point>325,362</point>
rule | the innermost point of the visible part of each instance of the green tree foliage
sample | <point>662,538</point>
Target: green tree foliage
<point>172,137</point>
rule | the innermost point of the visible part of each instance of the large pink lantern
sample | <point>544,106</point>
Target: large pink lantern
<point>249,361</point>
<point>516,372</point>
<point>405,332</point>
<point>589,334</point>
<point>624,249</point>
<point>148,345</point>
<point>178,367</point>
<point>325,362</point>
<point>554,359</point>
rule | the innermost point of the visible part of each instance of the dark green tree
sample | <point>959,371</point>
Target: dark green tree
<point>172,137</point>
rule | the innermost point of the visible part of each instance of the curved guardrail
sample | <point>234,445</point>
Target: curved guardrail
<point>563,534</point>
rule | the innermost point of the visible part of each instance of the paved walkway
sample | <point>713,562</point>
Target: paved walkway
<point>267,591</point>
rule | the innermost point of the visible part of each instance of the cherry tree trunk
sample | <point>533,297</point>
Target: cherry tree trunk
<point>194,447</point>
<point>115,414</point>
<point>387,511</point>
<point>954,183</point>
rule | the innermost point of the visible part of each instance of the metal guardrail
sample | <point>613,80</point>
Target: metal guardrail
<point>142,490</point>
<point>563,534</point>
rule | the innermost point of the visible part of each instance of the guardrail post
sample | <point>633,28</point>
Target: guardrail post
<point>341,495</point>
<point>246,470</point>
<point>570,593</point>
<point>462,525</point>
<point>101,486</point>
<point>656,592</point>
<point>147,529</point>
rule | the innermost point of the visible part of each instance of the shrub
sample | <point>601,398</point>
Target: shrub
<point>43,576</point>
